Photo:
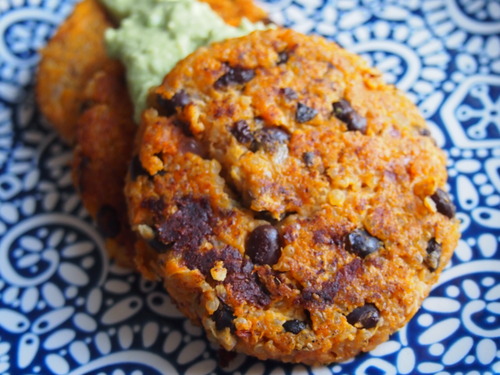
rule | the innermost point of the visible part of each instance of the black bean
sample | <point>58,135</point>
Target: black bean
<point>308,158</point>
<point>443,202</point>
<point>236,75</point>
<point>366,316</point>
<point>294,326</point>
<point>263,245</point>
<point>345,113</point>
<point>304,113</point>
<point>108,221</point>
<point>341,109</point>
<point>242,132</point>
<point>283,57</point>
<point>356,122</point>
<point>271,135</point>
<point>181,98</point>
<point>167,107</point>
<point>433,257</point>
<point>136,169</point>
<point>289,93</point>
<point>224,318</point>
<point>361,243</point>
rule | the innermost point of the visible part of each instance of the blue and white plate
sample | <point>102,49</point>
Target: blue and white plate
<point>65,309</point>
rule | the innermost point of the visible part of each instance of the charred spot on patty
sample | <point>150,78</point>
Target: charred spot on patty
<point>188,226</point>
<point>246,286</point>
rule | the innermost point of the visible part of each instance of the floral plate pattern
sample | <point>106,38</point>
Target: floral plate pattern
<point>66,309</point>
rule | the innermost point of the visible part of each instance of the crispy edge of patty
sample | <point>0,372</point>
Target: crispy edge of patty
<point>70,59</point>
<point>105,132</point>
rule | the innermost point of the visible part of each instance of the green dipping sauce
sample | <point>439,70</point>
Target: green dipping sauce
<point>153,35</point>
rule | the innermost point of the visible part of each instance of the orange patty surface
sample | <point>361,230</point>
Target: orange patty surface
<point>292,203</point>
